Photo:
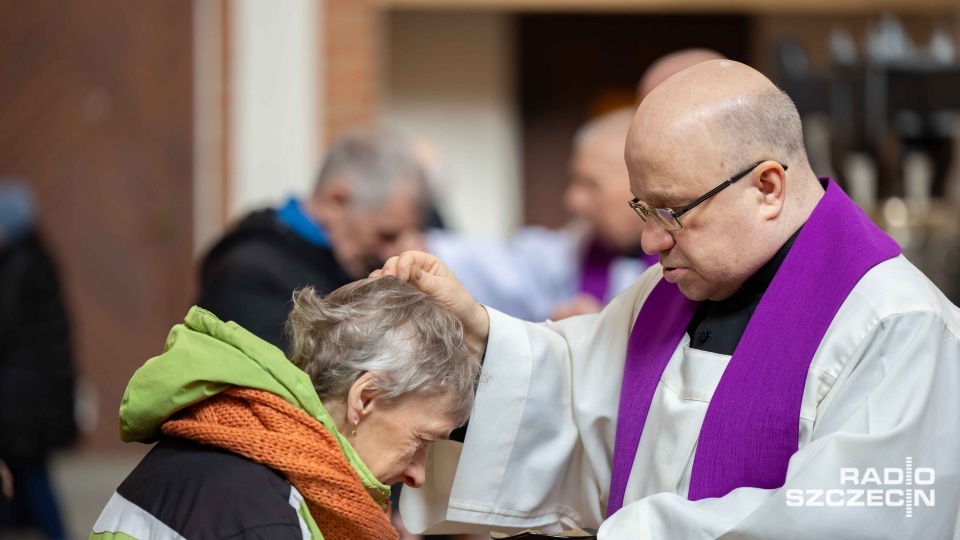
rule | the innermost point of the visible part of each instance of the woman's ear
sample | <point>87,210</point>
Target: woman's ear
<point>361,399</point>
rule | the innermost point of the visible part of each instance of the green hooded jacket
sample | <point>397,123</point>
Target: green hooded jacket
<point>204,356</point>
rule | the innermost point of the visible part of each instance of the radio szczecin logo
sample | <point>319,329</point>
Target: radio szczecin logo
<point>890,486</point>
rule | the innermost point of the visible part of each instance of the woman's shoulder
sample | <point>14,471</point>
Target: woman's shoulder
<point>199,491</point>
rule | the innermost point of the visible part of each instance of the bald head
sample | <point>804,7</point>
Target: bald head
<point>698,128</point>
<point>717,113</point>
<point>671,64</point>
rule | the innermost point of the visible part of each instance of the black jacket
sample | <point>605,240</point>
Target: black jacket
<point>250,274</point>
<point>36,366</point>
<point>184,489</point>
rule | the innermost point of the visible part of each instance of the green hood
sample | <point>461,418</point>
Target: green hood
<point>202,357</point>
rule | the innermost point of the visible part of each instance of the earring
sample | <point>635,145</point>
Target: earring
<point>356,424</point>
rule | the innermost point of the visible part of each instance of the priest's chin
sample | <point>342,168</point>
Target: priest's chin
<point>698,289</point>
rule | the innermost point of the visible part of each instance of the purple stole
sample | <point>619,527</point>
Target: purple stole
<point>595,270</point>
<point>751,428</point>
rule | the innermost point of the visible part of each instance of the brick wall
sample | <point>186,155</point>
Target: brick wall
<point>352,64</point>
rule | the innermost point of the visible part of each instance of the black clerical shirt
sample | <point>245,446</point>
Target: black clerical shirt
<point>718,326</point>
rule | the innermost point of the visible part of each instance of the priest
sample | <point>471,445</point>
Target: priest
<point>783,372</point>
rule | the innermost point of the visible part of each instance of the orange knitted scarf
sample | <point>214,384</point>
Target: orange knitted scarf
<point>265,428</point>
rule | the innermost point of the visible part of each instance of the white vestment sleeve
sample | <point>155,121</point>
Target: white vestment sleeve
<point>539,444</point>
<point>898,398</point>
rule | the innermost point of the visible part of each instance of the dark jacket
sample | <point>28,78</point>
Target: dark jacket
<point>184,489</point>
<point>249,276</point>
<point>36,367</point>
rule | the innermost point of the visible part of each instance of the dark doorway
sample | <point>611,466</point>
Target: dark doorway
<point>576,66</point>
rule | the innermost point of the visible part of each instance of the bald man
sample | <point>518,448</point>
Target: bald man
<point>784,372</point>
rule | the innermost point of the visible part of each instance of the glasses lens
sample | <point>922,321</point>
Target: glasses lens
<point>665,219</point>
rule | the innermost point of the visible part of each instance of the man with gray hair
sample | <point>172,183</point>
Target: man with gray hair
<point>370,192</point>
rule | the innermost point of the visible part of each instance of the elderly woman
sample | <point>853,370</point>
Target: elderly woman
<point>252,445</point>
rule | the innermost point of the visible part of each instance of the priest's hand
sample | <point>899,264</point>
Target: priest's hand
<point>430,275</point>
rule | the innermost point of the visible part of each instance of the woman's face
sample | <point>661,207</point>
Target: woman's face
<point>392,438</point>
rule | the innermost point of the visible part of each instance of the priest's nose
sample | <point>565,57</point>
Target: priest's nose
<point>655,239</point>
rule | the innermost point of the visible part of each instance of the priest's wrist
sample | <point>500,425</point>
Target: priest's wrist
<point>476,330</point>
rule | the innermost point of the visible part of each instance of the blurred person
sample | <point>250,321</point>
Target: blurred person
<point>542,274</point>
<point>670,64</point>
<point>36,366</point>
<point>252,445</point>
<point>751,385</point>
<point>370,192</point>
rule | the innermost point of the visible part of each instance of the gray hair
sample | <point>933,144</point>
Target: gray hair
<point>412,344</point>
<point>766,121</point>
<point>375,163</point>
<point>614,123</point>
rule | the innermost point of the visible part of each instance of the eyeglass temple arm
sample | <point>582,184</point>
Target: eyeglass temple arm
<point>715,190</point>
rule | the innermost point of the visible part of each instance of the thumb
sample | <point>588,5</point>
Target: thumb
<point>423,280</point>
<point>435,286</point>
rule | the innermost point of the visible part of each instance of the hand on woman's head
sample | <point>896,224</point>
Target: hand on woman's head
<point>430,275</point>
<point>389,362</point>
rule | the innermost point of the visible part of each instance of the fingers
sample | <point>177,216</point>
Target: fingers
<point>389,268</point>
<point>402,266</point>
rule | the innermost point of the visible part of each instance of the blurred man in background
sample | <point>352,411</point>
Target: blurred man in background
<point>540,273</point>
<point>370,192</point>
<point>670,64</point>
<point>36,367</point>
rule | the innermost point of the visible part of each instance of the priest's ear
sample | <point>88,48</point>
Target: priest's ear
<point>770,180</point>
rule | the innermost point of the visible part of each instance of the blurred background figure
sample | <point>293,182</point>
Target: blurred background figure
<point>667,66</point>
<point>36,368</point>
<point>370,193</point>
<point>540,273</point>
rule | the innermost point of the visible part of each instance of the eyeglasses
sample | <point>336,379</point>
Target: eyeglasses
<point>670,219</point>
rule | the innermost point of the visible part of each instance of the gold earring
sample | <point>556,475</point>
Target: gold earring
<point>356,424</point>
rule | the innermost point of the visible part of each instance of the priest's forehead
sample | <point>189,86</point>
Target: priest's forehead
<point>667,196</point>
<point>691,131</point>
<point>675,161</point>
<point>663,177</point>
